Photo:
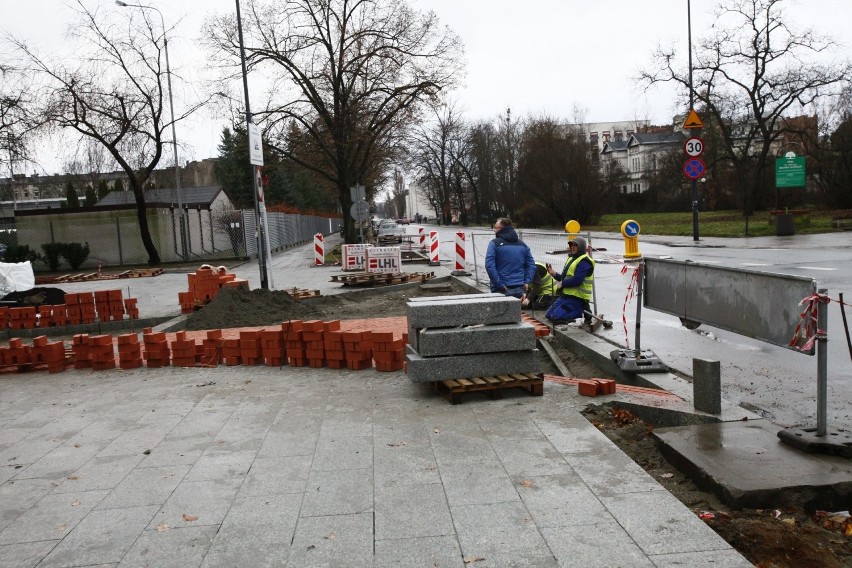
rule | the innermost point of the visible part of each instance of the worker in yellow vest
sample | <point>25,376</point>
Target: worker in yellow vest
<point>543,288</point>
<point>574,285</point>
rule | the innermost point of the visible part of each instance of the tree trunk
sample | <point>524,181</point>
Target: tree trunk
<point>142,217</point>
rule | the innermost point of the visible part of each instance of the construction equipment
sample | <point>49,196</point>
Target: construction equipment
<point>606,323</point>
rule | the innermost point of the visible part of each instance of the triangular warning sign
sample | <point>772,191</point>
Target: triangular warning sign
<point>692,120</point>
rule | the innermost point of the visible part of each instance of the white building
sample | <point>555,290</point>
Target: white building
<point>640,156</point>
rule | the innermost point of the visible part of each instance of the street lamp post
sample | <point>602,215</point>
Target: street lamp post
<point>691,102</point>
<point>181,219</point>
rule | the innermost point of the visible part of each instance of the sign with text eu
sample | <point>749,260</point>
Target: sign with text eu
<point>790,171</point>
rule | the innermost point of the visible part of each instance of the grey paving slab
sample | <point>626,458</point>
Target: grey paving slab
<point>52,517</point>
<point>477,483</point>
<point>16,497</point>
<point>205,503</point>
<point>103,537</point>
<point>660,524</point>
<point>338,492</point>
<point>530,457</point>
<point>258,546</point>
<point>351,452</point>
<point>335,541</point>
<point>710,559</point>
<point>172,548</point>
<point>560,501</point>
<point>173,451</point>
<point>25,554</point>
<point>613,473</point>
<point>398,462</point>
<point>285,443</point>
<point>60,462</point>
<point>99,473</point>
<point>436,342</point>
<point>277,476</point>
<point>145,486</point>
<point>452,448</point>
<point>425,552</point>
<point>412,511</point>
<point>502,534</point>
<point>216,463</point>
<point>604,544</point>
<point>429,369</point>
<point>260,510</point>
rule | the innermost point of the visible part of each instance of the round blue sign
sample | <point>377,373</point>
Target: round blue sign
<point>630,228</point>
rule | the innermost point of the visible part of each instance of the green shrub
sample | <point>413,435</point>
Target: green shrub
<point>52,252</point>
<point>20,253</point>
<point>76,254</point>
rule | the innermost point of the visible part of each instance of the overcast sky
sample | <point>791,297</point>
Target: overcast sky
<point>537,56</point>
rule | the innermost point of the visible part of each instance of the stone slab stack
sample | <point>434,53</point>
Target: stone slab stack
<point>470,335</point>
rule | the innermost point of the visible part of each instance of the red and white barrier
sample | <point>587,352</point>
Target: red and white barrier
<point>422,232</point>
<point>434,256</point>
<point>319,250</point>
<point>460,251</point>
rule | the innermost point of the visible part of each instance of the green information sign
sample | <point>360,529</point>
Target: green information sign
<point>790,171</point>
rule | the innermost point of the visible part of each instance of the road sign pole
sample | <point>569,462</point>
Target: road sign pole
<point>694,211</point>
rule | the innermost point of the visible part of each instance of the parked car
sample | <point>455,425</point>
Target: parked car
<point>390,231</point>
<point>404,221</point>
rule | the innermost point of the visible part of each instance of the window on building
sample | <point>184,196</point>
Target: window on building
<point>593,137</point>
<point>624,189</point>
<point>606,134</point>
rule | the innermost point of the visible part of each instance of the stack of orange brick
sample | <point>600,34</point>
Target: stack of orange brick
<point>541,329</point>
<point>5,317</point>
<point>231,354</point>
<point>109,305</point>
<point>358,347</point>
<point>129,351</point>
<point>211,348</point>
<point>594,387</point>
<point>312,334</point>
<point>17,353</point>
<point>183,350</point>
<point>251,351</point>
<point>80,346</point>
<point>49,353</point>
<point>157,353</point>
<point>22,318</point>
<point>335,356</point>
<point>293,343</point>
<point>101,352</point>
<point>272,344</point>
<point>204,284</point>
<point>388,353</point>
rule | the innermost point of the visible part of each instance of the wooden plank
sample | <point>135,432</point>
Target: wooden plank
<point>492,380</point>
<point>450,383</point>
<point>478,381</point>
<point>465,382</point>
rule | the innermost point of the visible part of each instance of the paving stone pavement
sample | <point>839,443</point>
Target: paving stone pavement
<point>302,467</point>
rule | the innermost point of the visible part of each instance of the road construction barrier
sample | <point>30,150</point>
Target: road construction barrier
<point>319,250</point>
<point>422,232</point>
<point>460,251</point>
<point>434,256</point>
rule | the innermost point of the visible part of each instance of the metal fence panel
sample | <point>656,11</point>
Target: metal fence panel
<point>755,304</point>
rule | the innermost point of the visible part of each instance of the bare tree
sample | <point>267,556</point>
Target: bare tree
<point>751,73</point>
<point>433,147</point>
<point>351,73</point>
<point>18,120</point>
<point>112,92</point>
<point>556,171</point>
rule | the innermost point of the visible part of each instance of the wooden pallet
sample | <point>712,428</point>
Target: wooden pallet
<point>377,279</point>
<point>93,276</point>
<point>494,386</point>
<point>301,293</point>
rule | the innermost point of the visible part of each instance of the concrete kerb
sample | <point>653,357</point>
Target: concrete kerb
<point>98,328</point>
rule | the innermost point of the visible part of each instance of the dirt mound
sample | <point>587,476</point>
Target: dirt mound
<point>239,307</point>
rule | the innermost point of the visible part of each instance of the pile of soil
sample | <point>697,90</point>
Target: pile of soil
<point>782,537</point>
<point>239,307</point>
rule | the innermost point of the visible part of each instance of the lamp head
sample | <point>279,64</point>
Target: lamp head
<point>120,3</point>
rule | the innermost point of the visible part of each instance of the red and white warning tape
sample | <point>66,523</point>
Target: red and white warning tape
<point>807,331</point>
<point>631,292</point>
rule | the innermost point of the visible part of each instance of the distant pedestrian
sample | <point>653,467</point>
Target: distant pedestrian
<point>575,285</point>
<point>508,261</point>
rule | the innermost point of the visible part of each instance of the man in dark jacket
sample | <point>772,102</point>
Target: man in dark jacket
<point>575,285</point>
<point>508,261</point>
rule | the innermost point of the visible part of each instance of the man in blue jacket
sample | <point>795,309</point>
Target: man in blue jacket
<point>508,261</point>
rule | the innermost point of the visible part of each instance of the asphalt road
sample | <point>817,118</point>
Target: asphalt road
<point>777,382</point>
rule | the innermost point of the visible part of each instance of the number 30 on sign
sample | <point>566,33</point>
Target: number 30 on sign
<point>693,147</point>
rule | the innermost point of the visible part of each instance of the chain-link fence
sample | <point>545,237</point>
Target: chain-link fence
<point>114,236</point>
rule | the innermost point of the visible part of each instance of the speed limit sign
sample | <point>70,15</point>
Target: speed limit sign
<point>693,147</point>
